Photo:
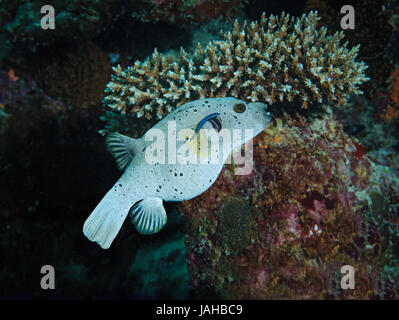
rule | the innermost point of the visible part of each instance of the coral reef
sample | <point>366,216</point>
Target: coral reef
<point>74,20</point>
<point>77,75</point>
<point>312,204</point>
<point>324,189</point>
<point>277,59</point>
<point>184,12</point>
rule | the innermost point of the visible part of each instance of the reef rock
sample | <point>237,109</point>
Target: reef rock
<point>285,231</point>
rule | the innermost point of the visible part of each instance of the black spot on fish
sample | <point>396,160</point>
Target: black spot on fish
<point>175,189</point>
<point>195,110</point>
<point>206,101</point>
<point>175,174</point>
<point>181,174</point>
<point>143,149</point>
<point>120,185</point>
<point>160,187</point>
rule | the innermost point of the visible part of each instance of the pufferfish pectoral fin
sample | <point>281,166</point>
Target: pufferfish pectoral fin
<point>148,215</point>
<point>123,148</point>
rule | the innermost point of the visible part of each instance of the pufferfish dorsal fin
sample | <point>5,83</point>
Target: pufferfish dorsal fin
<point>123,148</point>
<point>148,215</point>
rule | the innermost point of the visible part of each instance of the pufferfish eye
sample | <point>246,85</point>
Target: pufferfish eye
<point>240,107</point>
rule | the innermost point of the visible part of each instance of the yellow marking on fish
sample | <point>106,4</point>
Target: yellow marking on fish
<point>198,143</point>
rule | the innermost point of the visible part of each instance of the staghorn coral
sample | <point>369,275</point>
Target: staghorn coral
<point>314,205</point>
<point>78,75</point>
<point>184,12</point>
<point>277,59</point>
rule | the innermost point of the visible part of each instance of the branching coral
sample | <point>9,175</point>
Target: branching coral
<point>280,58</point>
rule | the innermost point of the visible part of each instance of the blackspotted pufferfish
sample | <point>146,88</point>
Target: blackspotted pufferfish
<point>144,185</point>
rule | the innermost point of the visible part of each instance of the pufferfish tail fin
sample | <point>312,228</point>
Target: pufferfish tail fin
<point>104,223</point>
<point>123,148</point>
